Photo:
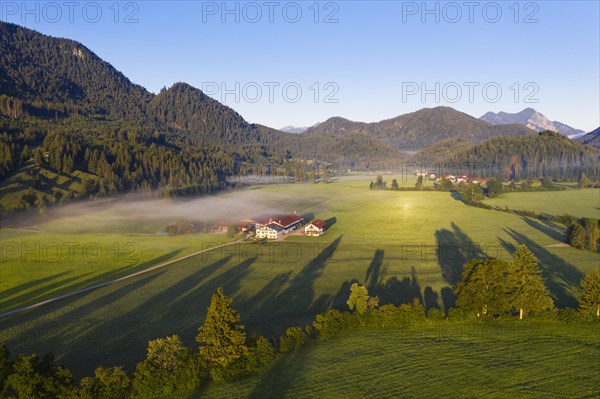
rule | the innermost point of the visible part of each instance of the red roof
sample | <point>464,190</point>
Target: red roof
<point>318,223</point>
<point>288,220</point>
<point>263,220</point>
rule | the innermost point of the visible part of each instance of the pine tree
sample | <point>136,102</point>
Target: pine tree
<point>527,289</point>
<point>589,294</point>
<point>222,339</point>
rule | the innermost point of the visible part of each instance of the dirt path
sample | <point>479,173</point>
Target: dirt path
<point>557,245</point>
<point>314,206</point>
<point>96,286</point>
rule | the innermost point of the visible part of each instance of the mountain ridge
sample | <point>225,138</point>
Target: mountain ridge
<point>531,118</point>
<point>417,130</point>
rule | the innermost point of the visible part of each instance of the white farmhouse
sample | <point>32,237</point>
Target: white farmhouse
<point>315,228</point>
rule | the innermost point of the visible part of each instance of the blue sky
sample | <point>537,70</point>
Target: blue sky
<point>297,63</point>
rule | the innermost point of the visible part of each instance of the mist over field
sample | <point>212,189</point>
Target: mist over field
<point>140,213</point>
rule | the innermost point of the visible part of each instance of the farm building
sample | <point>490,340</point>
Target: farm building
<point>268,231</point>
<point>315,228</point>
<point>277,226</point>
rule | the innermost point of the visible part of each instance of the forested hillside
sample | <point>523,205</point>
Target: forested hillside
<point>418,130</point>
<point>543,154</point>
<point>592,139</point>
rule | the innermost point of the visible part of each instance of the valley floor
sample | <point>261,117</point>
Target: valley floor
<point>401,245</point>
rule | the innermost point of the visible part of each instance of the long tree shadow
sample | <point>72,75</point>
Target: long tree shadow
<point>550,229</point>
<point>40,292</point>
<point>431,299</point>
<point>392,290</point>
<point>74,283</point>
<point>448,298</point>
<point>69,329</point>
<point>30,284</point>
<point>278,380</point>
<point>375,272</point>
<point>288,300</point>
<point>454,249</point>
<point>340,299</point>
<point>178,309</point>
<point>300,291</point>
<point>121,318</point>
<point>562,278</point>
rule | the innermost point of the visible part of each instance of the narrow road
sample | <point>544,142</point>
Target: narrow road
<point>314,206</point>
<point>96,286</point>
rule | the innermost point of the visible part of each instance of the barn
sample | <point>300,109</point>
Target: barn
<point>277,226</point>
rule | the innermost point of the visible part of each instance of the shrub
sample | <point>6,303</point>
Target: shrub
<point>168,368</point>
<point>260,354</point>
<point>293,338</point>
<point>330,323</point>
<point>568,315</point>
<point>435,314</point>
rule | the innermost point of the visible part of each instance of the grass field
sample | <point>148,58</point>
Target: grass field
<point>580,203</point>
<point>400,244</point>
<point>508,360</point>
<point>40,265</point>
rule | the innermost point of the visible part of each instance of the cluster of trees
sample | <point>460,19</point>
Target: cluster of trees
<point>475,193</point>
<point>183,226</point>
<point>584,233</point>
<point>488,287</point>
<point>495,287</point>
<point>16,146</point>
<point>169,367</point>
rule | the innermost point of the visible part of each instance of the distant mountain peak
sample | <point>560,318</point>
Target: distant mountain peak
<point>532,119</point>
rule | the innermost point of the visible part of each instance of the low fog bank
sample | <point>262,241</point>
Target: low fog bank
<point>147,214</point>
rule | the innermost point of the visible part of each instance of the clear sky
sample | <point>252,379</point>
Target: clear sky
<point>297,63</point>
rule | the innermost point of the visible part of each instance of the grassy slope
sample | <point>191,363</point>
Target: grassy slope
<point>38,265</point>
<point>581,203</point>
<point>525,360</point>
<point>388,240</point>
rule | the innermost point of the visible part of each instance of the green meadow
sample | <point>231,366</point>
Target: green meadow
<point>401,245</point>
<point>454,360</point>
<point>580,203</point>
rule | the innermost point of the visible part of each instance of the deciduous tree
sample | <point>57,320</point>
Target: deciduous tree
<point>482,289</point>
<point>473,193</point>
<point>168,368</point>
<point>107,383</point>
<point>494,188</point>
<point>358,298</point>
